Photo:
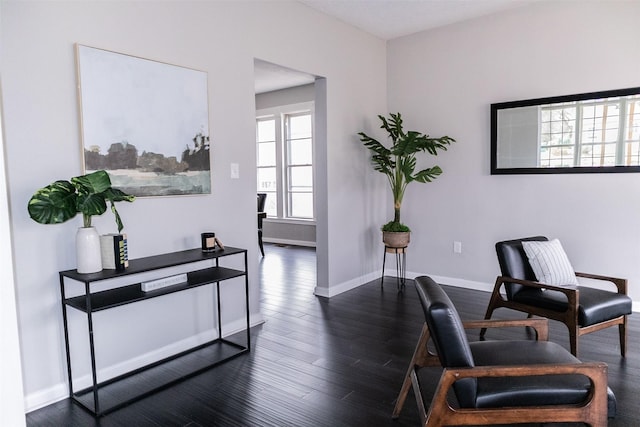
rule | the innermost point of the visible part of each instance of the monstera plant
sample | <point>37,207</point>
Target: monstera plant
<point>398,163</point>
<point>87,194</point>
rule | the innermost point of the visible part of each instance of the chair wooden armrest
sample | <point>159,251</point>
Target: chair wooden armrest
<point>423,357</point>
<point>594,408</point>
<point>571,291</point>
<point>621,284</point>
<point>568,290</point>
<point>540,325</point>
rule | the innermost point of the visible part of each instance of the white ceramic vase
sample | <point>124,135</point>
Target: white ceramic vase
<point>88,255</point>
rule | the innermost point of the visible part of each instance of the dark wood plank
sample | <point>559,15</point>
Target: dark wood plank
<point>333,362</point>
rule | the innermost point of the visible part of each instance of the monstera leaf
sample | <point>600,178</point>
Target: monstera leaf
<point>53,204</point>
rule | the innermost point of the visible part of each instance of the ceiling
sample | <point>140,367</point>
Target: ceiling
<point>388,19</point>
<point>270,77</point>
<point>385,19</point>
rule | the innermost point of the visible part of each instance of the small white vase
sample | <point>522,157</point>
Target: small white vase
<point>88,255</point>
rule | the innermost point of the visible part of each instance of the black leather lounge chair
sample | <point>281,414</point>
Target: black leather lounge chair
<point>500,382</point>
<point>582,309</point>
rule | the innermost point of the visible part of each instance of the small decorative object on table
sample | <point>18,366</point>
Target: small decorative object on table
<point>219,243</point>
<point>208,241</point>
<point>114,251</point>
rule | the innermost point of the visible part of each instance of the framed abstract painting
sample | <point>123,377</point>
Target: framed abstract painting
<point>145,122</point>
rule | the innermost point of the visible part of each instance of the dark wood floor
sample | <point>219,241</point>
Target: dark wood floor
<point>337,362</point>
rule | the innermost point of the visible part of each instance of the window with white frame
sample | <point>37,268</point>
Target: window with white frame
<point>602,132</point>
<point>284,142</point>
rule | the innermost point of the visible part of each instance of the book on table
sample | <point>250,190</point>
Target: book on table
<point>114,251</point>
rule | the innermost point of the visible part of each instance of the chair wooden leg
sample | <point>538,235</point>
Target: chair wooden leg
<point>488,314</point>
<point>573,339</point>
<point>494,303</point>
<point>421,357</point>
<point>260,241</point>
<point>622,330</point>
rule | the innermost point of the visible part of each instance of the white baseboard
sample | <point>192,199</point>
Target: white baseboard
<point>352,284</point>
<point>42,398</point>
<point>450,281</point>
<point>290,242</point>
<point>454,281</point>
<point>346,286</point>
<point>60,391</point>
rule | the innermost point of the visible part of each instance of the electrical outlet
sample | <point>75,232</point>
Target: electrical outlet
<point>457,247</point>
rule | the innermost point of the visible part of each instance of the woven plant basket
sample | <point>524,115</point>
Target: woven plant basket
<point>396,239</point>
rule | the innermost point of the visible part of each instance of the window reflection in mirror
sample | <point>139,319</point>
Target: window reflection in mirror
<point>592,132</point>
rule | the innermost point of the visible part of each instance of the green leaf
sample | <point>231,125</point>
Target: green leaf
<point>53,204</point>
<point>91,204</point>
<point>407,165</point>
<point>428,175</point>
<point>117,195</point>
<point>93,183</point>
<point>374,145</point>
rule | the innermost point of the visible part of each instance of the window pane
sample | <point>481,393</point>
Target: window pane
<point>300,178</point>
<point>556,156</point>
<point>632,154</point>
<point>556,128</point>
<point>267,154</point>
<point>266,179</point>
<point>300,126</point>
<point>302,205</point>
<point>633,120</point>
<point>266,130</point>
<point>598,155</point>
<point>300,152</point>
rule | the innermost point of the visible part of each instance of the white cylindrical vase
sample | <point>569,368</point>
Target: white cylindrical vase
<point>88,254</point>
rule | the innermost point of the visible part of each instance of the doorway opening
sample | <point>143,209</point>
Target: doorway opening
<point>291,165</point>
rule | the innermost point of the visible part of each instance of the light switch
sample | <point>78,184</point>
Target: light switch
<point>235,171</point>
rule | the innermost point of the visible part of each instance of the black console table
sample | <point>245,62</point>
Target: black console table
<point>108,395</point>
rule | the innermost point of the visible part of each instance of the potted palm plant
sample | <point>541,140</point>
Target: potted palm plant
<point>87,194</point>
<point>398,163</point>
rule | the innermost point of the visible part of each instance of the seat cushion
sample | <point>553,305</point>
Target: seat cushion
<point>524,391</point>
<point>532,390</point>
<point>596,305</point>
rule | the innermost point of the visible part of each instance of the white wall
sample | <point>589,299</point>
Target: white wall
<point>222,38</point>
<point>11,401</point>
<point>444,81</point>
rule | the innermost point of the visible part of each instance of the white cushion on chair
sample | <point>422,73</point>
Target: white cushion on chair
<point>550,263</point>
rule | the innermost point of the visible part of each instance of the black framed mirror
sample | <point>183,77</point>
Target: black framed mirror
<point>592,132</point>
